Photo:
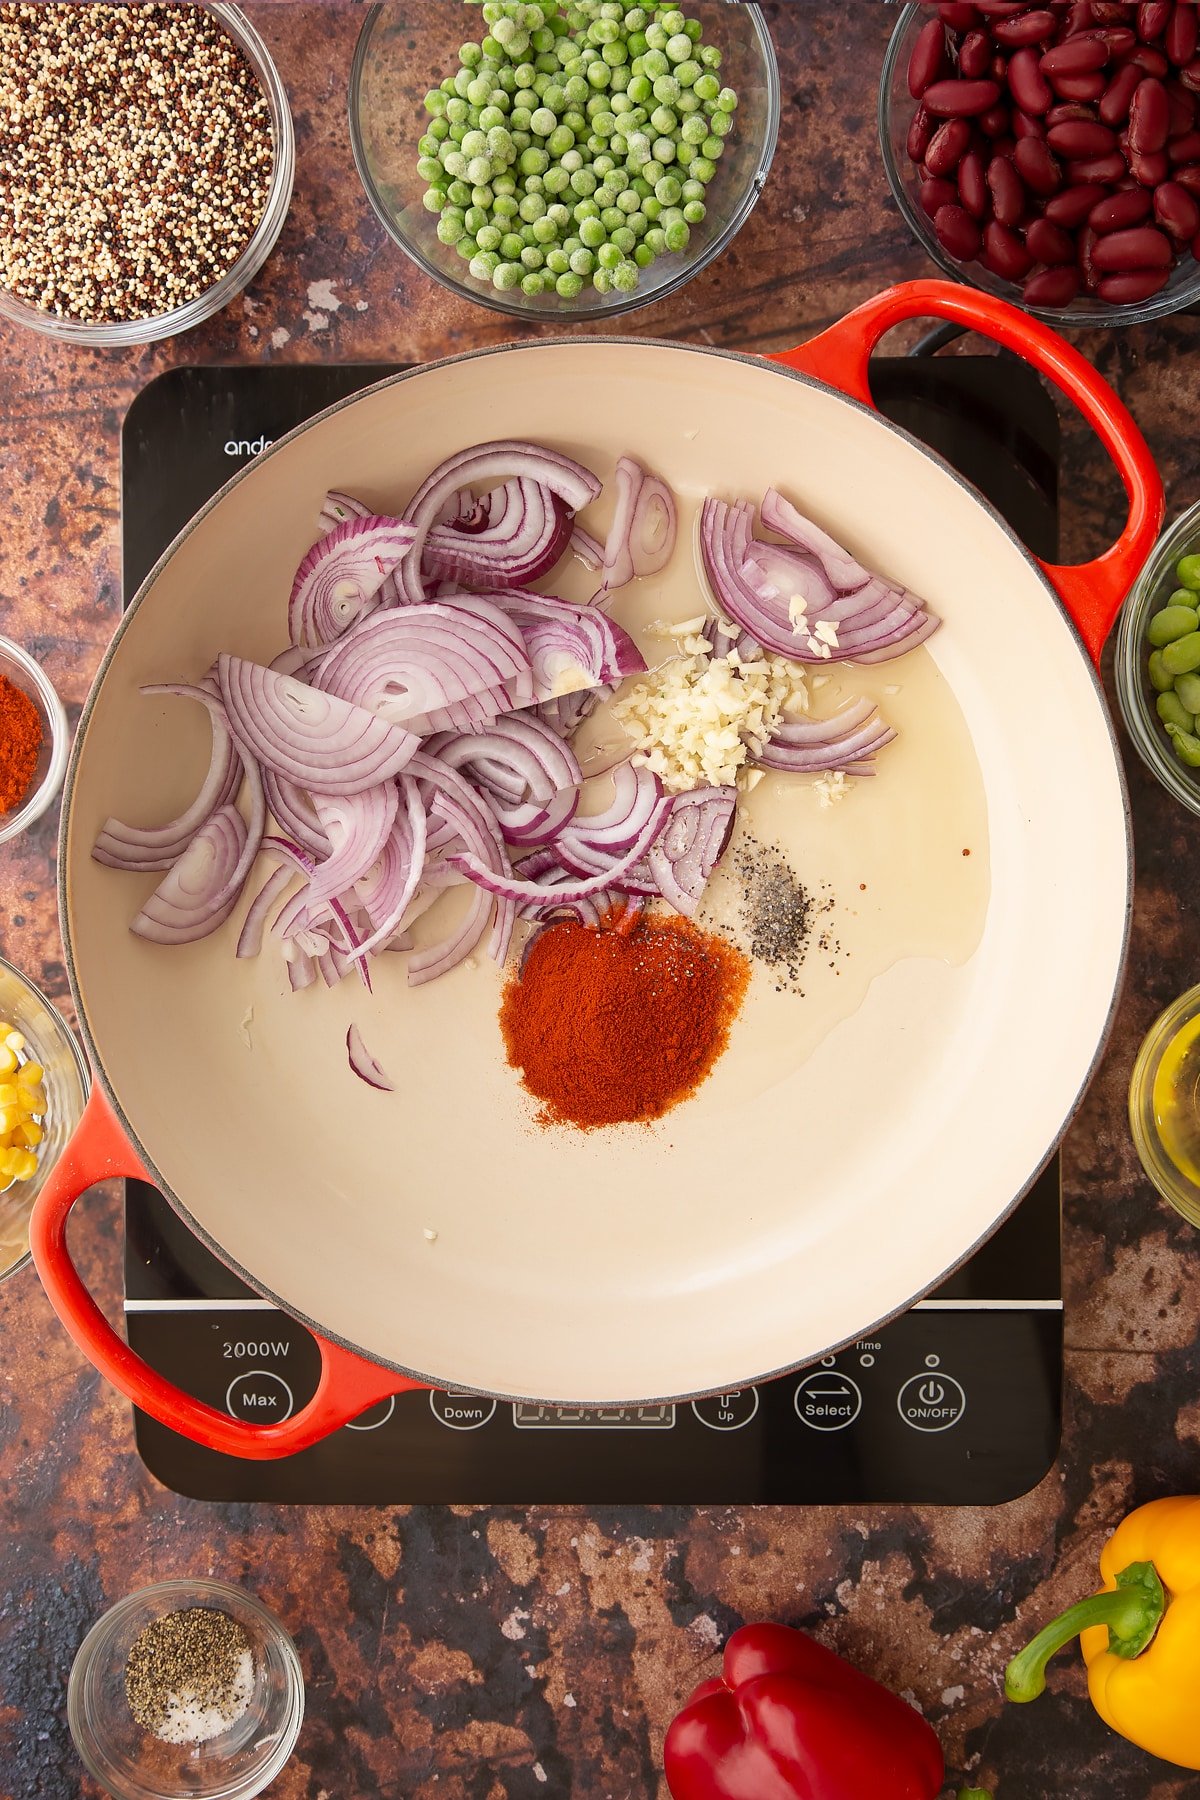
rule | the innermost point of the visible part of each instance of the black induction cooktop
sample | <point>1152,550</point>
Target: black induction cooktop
<point>956,1402</point>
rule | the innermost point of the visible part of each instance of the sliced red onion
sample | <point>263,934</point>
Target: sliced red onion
<point>364,1064</point>
<point>388,894</point>
<point>618,547</point>
<point>724,543</point>
<point>412,664</point>
<point>570,647</point>
<point>357,826</point>
<point>694,841</point>
<point>812,745</point>
<point>484,466</point>
<point>923,627</point>
<point>566,714</point>
<point>845,573</point>
<point>300,967</point>
<point>530,824</point>
<point>201,889</point>
<point>135,847</point>
<point>293,812</point>
<point>314,739</point>
<point>655,524</point>
<point>590,842</point>
<point>250,941</point>
<point>726,638</point>
<point>518,746</point>
<point>336,509</point>
<point>439,959</point>
<point>588,549</point>
<point>527,529</point>
<point>512,888</point>
<point>341,575</point>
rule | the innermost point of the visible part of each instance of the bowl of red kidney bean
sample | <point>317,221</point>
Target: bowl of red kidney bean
<point>1050,153</point>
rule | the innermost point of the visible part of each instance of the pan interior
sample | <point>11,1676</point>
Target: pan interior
<point>854,1143</point>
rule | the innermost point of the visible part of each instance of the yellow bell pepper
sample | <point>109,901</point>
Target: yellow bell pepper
<point>1140,1635</point>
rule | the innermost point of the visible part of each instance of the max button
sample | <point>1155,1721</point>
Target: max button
<point>261,1396</point>
<point>461,1412</point>
<point>827,1400</point>
<point>727,1412</point>
<point>931,1402</point>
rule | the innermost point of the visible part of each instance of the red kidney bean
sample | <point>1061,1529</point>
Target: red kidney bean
<point>1079,18</point>
<point>1180,39</point>
<point>919,133</point>
<point>1036,167</point>
<point>1112,12</point>
<point>998,70</point>
<point>1149,117</point>
<point>1120,41</point>
<point>1188,177</point>
<point>1003,252</point>
<point>1131,286</point>
<point>947,147</point>
<point>1082,171</point>
<point>1067,110</point>
<point>1189,78</point>
<point>1025,28</point>
<point>1079,56</point>
<point>1074,138</point>
<point>1080,87</point>
<point>1052,287</point>
<point>1141,248</point>
<point>1119,211</point>
<point>1182,109</point>
<point>995,122</point>
<point>959,17</point>
<point>928,59</point>
<point>1114,101</point>
<point>1153,17</point>
<point>957,232</point>
<point>1176,210</point>
<point>1085,245</point>
<point>1149,60</point>
<point>1025,125</point>
<point>972,185</point>
<point>1184,149</point>
<point>961,99</point>
<point>1007,191</point>
<point>1149,170</point>
<point>974,55</point>
<point>1028,86</point>
<point>1072,206</point>
<point>936,193</point>
<point>1049,243</point>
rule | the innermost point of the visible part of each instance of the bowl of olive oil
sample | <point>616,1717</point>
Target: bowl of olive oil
<point>1164,1104</point>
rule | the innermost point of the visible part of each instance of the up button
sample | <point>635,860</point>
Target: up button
<point>931,1401</point>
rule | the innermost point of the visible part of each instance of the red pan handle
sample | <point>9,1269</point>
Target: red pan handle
<point>99,1151</point>
<point>1091,592</point>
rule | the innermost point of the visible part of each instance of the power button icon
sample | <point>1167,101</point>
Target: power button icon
<point>931,1402</point>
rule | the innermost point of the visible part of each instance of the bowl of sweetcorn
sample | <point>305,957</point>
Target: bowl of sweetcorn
<point>407,116</point>
<point>44,1084</point>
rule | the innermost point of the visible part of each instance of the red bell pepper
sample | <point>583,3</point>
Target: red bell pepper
<point>789,1720</point>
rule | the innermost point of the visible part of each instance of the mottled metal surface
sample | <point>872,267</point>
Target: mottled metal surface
<point>457,1653</point>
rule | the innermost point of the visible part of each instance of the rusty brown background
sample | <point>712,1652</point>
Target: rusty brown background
<point>476,1654</point>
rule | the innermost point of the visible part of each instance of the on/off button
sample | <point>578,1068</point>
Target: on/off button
<point>261,1396</point>
<point>931,1402</point>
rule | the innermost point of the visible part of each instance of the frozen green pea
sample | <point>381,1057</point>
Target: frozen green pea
<point>488,237</point>
<point>484,264</point>
<point>507,275</point>
<point>710,56</point>
<point>569,285</point>
<point>584,182</point>
<point>636,18</point>
<point>673,20</point>
<point>435,103</point>
<point>585,209</point>
<point>608,256</point>
<point>721,124</point>
<point>625,276</point>
<point>510,246</point>
<point>458,194</point>
<point>604,166</point>
<point>545,231</point>
<point>602,281</point>
<point>688,72</point>
<point>640,89</point>
<point>482,197</point>
<point>577,90</point>
<point>603,31</point>
<point>678,235</point>
<point>1175,620</point>
<point>668,190</point>
<point>694,212</point>
<point>532,207</point>
<point>653,171</point>
<point>592,233</point>
<point>703,169</point>
<point>491,116</point>
<point>559,215</point>
<point>615,57</point>
<point>663,120</point>
<point>603,195</point>
<point>656,240</point>
<point>543,122</point>
<point>582,261</point>
<point>638,224</point>
<point>455,164</point>
<point>652,209</point>
<point>427,144</point>
<point>627,201</point>
<point>479,171</point>
<point>556,180</point>
<point>1182,654</point>
<point>430,169</point>
<point>439,131</point>
<point>612,218</point>
<point>504,184</point>
<point>656,39</point>
<point>521,141</point>
<point>450,229</point>
<point>1187,746</point>
<point>533,161</point>
<point>554,97</point>
<point>678,48</point>
<point>571,245</point>
<point>598,74</point>
<point>711,149</point>
<point>504,207</point>
<point>557,261</point>
<point>666,90</point>
<point>654,64</point>
<point>643,256</point>
<point>1172,711</point>
<point>533,257</point>
<point>624,239</point>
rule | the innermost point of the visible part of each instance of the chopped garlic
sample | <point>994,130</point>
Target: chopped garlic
<point>831,787</point>
<point>697,721</point>
<point>797,607</point>
<point>826,630</point>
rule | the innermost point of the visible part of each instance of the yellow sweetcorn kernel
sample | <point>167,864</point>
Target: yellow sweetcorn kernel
<point>25,1165</point>
<point>10,1118</point>
<point>8,1060</point>
<point>30,1133</point>
<point>30,1074</point>
<point>32,1100</point>
<point>9,1093</point>
<point>13,1040</point>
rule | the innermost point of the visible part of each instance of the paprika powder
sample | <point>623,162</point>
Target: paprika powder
<point>616,1025</point>
<point>20,741</point>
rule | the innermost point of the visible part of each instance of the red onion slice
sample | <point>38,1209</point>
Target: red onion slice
<point>364,1064</point>
<point>402,864</point>
<point>618,549</point>
<point>570,647</point>
<point>134,847</point>
<point>412,664</point>
<point>813,745</point>
<point>292,811</point>
<point>486,465</point>
<point>314,739</point>
<point>341,575</point>
<point>844,571</point>
<point>527,529</point>
<point>512,888</point>
<point>655,524</point>
<point>692,845</point>
<point>336,508</point>
<point>201,889</point>
<point>357,826</point>
<point>250,940</point>
<point>587,548</point>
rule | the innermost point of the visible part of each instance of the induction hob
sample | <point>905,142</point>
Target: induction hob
<point>956,1402</point>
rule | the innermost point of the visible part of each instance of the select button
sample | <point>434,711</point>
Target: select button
<point>261,1396</point>
<point>827,1400</point>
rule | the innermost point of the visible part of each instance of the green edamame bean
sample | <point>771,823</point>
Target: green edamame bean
<point>1172,711</point>
<point>1187,746</point>
<point>1188,689</point>
<point>1160,681</point>
<point>1187,572</point>
<point>1182,654</point>
<point>1173,621</point>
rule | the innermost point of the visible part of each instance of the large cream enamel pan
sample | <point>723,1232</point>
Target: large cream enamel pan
<point>776,1217</point>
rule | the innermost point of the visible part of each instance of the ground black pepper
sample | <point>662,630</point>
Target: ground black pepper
<point>136,157</point>
<point>188,1674</point>
<point>778,915</point>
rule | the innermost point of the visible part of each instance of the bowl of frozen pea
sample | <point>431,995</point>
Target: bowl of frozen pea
<point>564,158</point>
<point>1158,661</point>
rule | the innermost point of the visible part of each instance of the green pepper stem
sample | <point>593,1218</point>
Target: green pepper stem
<point>1131,1611</point>
<point>973,1794</point>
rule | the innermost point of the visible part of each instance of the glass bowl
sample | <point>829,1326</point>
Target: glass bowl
<point>27,675</point>
<point>130,1762</point>
<point>240,273</point>
<point>404,51</point>
<point>1164,1105</point>
<point>1135,695</point>
<point>49,1042</point>
<point>896,109</point>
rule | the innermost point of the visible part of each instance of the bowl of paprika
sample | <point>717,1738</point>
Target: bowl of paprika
<point>34,740</point>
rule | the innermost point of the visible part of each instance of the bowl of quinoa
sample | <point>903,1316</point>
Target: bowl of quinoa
<point>146,162</point>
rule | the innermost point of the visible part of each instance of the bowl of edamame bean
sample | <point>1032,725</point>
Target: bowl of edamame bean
<point>1158,661</point>
<point>579,159</point>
